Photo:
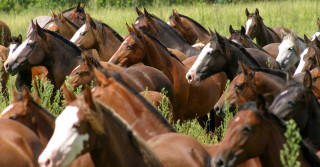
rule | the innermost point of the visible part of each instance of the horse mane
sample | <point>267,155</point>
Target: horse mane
<point>95,62</point>
<point>277,73</point>
<point>100,29</point>
<point>245,52</point>
<point>66,41</point>
<point>194,22</point>
<point>153,110</point>
<point>310,156</point>
<point>80,9</point>
<point>162,23</point>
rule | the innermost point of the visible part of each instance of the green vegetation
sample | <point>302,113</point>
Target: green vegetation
<point>290,153</point>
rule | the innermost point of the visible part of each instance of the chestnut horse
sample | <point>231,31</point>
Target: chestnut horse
<point>189,29</point>
<point>255,28</point>
<point>248,84</point>
<point>219,55</point>
<point>165,33</point>
<point>254,131</point>
<point>310,57</point>
<point>297,102</point>
<point>188,101</point>
<point>97,35</point>
<point>315,73</point>
<point>48,49</point>
<point>93,127</point>
<point>5,34</point>
<point>272,49</point>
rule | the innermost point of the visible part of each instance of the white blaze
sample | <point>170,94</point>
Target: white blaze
<point>284,52</point>
<point>302,62</point>
<point>314,36</point>
<point>248,24</point>
<point>14,55</point>
<point>7,109</point>
<point>76,36</point>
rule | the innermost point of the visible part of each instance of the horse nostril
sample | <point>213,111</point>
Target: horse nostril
<point>189,77</point>
<point>219,163</point>
<point>47,163</point>
<point>217,108</point>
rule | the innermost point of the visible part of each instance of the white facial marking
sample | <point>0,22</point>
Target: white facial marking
<point>207,49</point>
<point>22,48</point>
<point>168,22</point>
<point>237,119</point>
<point>6,109</point>
<point>50,25</point>
<point>314,36</point>
<point>75,69</point>
<point>124,42</point>
<point>302,62</point>
<point>248,24</point>
<point>76,36</point>
<point>66,143</point>
<point>284,92</point>
<point>136,22</point>
<point>285,54</point>
<point>11,47</point>
<point>197,45</point>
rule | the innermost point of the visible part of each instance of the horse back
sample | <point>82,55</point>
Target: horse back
<point>6,32</point>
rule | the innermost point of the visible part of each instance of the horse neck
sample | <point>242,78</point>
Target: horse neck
<point>121,145</point>
<point>60,64</point>
<point>301,44</point>
<point>313,108</point>
<point>266,36</point>
<point>24,78</point>
<point>202,35</point>
<point>108,47</point>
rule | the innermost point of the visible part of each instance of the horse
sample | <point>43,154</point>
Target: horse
<point>240,37</point>
<point>297,102</point>
<point>76,15</point>
<point>219,55</point>
<point>192,31</point>
<point>255,28</point>
<point>97,35</point>
<point>165,33</point>
<point>98,129</point>
<point>255,124</point>
<point>248,84</point>
<point>289,50</point>
<point>5,34</point>
<point>315,73</point>
<point>272,49</point>
<point>316,35</point>
<point>188,101</point>
<point>139,77</point>
<point>4,76</point>
<point>45,48</point>
<point>310,57</point>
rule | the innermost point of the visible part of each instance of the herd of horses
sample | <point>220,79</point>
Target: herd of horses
<point>117,123</point>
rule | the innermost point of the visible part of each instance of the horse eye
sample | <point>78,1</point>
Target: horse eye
<point>31,44</point>
<point>83,33</point>
<point>78,73</point>
<point>83,19</point>
<point>13,117</point>
<point>76,126</point>
<point>290,49</point>
<point>291,103</point>
<point>247,129</point>
<point>130,47</point>
<point>239,87</point>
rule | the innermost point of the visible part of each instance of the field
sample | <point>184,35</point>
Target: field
<point>298,15</point>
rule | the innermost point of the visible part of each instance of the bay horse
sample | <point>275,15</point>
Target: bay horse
<point>165,33</point>
<point>76,15</point>
<point>19,145</point>
<point>248,84</point>
<point>97,35</point>
<point>139,77</point>
<point>255,28</point>
<point>255,131</point>
<point>219,55</point>
<point>315,73</point>
<point>45,48</point>
<point>188,101</point>
<point>272,49</point>
<point>310,57</point>
<point>289,50</point>
<point>90,126</point>
<point>297,102</point>
<point>5,34</point>
<point>192,31</point>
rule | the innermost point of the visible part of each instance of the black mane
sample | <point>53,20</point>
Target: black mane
<point>194,22</point>
<point>245,52</point>
<point>100,26</point>
<point>278,73</point>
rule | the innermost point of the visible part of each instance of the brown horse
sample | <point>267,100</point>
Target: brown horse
<point>165,33</point>
<point>5,34</point>
<point>3,74</point>
<point>240,37</point>
<point>48,49</point>
<point>189,101</point>
<point>97,35</point>
<point>189,29</point>
<point>297,102</point>
<point>254,131</point>
<point>310,57</point>
<point>315,73</point>
<point>255,28</point>
<point>97,129</point>
<point>272,49</point>
<point>248,84</point>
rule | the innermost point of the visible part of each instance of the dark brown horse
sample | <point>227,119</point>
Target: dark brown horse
<point>297,102</point>
<point>255,28</point>
<point>165,33</point>
<point>189,101</point>
<point>48,49</point>
<point>240,37</point>
<point>5,34</point>
<point>254,131</point>
<point>189,29</point>
<point>97,35</point>
<point>248,84</point>
<point>219,55</point>
<point>93,127</point>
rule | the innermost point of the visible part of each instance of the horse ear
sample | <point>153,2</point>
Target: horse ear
<point>9,38</point>
<point>213,35</point>
<point>53,15</point>
<point>68,95</point>
<point>88,97</point>
<point>130,29</point>
<point>101,79</point>
<point>138,11</point>
<point>40,31</point>
<point>25,96</point>
<point>247,12</point>
<point>231,30</point>
<point>307,80</point>
<point>246,70</point>
<point>257,12</point>
<point>33,25</point>
<point>82,6</point>
<point>61,17</point>
<point>78,6</point>
<point>146,12</point>
<point>19,38</point>
<point>283,33</point>
<point>261,103</point>
<point>90,20</point>
<point>137,32</point>
<point>306,39</point>
<point>14,94</point>
<point>243,30</point>
<point>176,16</point>
<point>318,23</point>
<point>316,42</point>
